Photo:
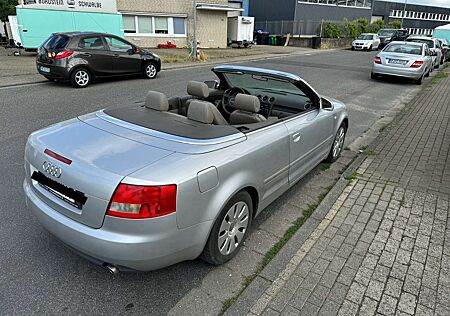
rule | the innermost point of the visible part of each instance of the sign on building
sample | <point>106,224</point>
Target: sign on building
<point>99,6</point>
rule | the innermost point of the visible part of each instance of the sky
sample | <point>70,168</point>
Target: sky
<point>439,3</point>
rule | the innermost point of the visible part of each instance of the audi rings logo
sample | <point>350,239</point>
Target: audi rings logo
<point>51,169</point>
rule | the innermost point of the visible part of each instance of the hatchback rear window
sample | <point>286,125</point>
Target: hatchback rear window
<point>56,42</point>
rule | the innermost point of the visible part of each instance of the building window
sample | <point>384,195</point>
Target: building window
<point>179,26</point>
<point>129,25</point>
<point>145,24</point>
<point>161,25</point>
<point>154,26</point>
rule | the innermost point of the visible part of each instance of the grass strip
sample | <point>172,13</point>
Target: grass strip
<point>290,232</point>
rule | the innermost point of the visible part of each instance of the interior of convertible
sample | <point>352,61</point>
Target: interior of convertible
<point>240,102</point>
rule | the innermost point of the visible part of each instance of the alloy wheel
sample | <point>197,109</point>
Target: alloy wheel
<point>150,71</point>
<point>233,227</point>
<point>339,142</point>
<point>82,78</point>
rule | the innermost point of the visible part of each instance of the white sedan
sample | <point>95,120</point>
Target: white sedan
<point>366,41</point>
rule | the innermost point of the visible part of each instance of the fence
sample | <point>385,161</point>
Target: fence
<point>300,27</point>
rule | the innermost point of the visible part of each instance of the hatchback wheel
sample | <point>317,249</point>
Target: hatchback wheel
<point>150,71</point>
<point>338,144</point>
<point>229,230</point>
<point>80,78</point>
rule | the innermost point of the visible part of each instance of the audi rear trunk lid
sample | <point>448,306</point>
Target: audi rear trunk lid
<point>100,160</point>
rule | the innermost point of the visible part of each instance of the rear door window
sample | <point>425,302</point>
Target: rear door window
<point>56,42</point>
<point>95,42</point>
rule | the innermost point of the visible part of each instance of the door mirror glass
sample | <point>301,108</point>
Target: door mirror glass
<point>212,84</point>
<point>326,105</point>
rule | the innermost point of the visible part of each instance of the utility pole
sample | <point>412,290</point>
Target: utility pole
<point>403,14</point>
<point>194,44</point>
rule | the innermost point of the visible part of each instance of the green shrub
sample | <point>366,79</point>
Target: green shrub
<point>395,24</point>
<point>331,30</point>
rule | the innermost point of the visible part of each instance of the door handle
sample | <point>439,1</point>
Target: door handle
<point>116,55</point>
<point>296,137</point>
<point>87,55</point>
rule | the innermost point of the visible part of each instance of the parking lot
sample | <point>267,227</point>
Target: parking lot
<point>41,276</point>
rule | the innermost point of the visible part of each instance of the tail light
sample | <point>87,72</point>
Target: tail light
<point>417,64</point>
<point>138,202</point>
<point>63,54</point>
<point>377,60</point>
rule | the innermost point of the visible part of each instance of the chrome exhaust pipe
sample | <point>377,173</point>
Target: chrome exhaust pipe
<point>111,268</point>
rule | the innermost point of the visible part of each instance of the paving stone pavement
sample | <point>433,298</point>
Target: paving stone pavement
<point>384,246</point>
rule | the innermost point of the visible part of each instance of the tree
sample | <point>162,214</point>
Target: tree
<point>395,24</point>
<point>7,7</point>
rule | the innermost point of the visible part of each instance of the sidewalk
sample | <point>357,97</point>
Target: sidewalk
<point>379,243</point>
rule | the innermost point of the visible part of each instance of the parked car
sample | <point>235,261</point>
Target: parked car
<point>433,44</point>
<point>391,35</point>
<point>144,186</point>
<point>80,57</point>
<point>366,41</point>
<point>445,45</point>
<point>404,59</point>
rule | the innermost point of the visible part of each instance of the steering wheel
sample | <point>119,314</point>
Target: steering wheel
<point>229,97</point>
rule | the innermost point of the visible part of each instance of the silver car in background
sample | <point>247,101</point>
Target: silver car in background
<point>148,185</point>
<point>433,44</point>
<point>403,59</point>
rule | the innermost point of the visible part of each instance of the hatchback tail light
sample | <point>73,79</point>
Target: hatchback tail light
<point>377,60</point>
<point>138,202</point>
<point>417,64</point>
<point>63,54</point>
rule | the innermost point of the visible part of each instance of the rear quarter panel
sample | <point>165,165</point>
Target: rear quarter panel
<point>260,162</point>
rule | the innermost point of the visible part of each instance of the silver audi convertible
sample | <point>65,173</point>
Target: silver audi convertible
<point>148,185</point>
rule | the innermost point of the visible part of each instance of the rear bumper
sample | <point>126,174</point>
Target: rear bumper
<point>55,72</point>
<point>412,73</point>
<point>134,244</point>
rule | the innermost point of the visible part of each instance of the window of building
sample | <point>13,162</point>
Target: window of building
<point>145,24</point>
<point>154,26</point>
<point>129,25</point>
<point>161,25</point>
<point>179,26</point>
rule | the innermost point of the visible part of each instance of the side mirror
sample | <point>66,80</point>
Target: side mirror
<point>212,84</point>
<point>326,105</point>
<point>130,51</point>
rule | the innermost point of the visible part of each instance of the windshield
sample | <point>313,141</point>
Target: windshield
<point>261,82</point>
<point>404,49</point>
<point>365,37</point>
<point>386,32</point>
<point>56,42</point>
<point>430,43</point>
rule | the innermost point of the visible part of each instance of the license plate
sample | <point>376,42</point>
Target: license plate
<point>45,69</point>
<point>397,61</point>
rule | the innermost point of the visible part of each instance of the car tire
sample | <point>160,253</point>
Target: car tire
<point>338,144</point>
<point>373,76</point>
<point>150,71</point>
<point>428,73</point>
<point>370,48</point>
<point>80,78</point>
<point>419,81</point>
<point>353,48</point>
<point>219,247</point>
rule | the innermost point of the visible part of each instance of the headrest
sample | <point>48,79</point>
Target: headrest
<point>198,89</point>
<point>201,112</point>
<point>156,101</point>
<point>246,102</point>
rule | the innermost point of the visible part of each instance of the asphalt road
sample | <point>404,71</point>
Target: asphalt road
<point>40,276</point>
